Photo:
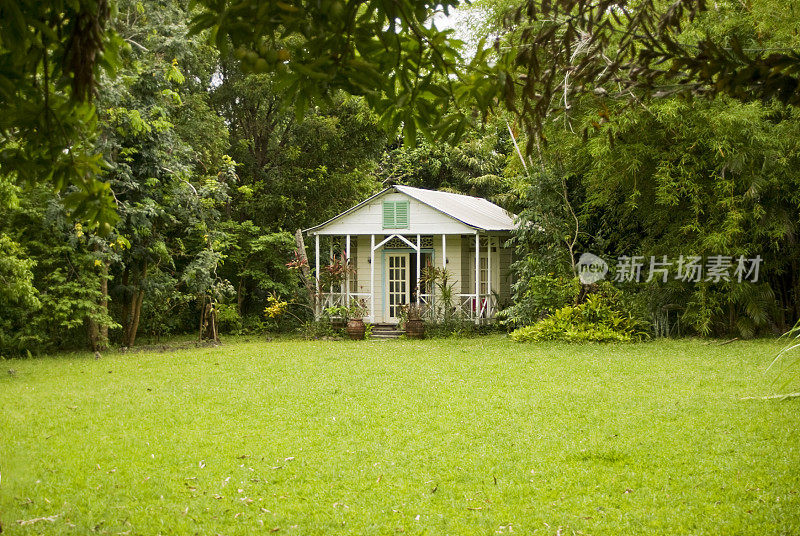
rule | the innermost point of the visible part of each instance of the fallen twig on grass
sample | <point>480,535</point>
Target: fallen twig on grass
<point>37,519</point>
<point>772,397</point>
<point>723,343</point>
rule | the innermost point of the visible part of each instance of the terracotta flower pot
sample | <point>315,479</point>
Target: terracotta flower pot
<point>415,329</point>
<point>356,329</point>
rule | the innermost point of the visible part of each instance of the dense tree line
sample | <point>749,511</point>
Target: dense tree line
<point>177,190</point>
<point>618,170</point>
<point>209,169</point>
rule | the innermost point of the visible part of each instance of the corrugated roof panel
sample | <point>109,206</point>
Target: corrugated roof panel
<point>473,211</point>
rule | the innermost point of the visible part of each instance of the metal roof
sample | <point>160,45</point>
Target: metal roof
<point>475,212</point>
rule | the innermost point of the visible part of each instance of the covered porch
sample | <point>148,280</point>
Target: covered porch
<point>388,271</point>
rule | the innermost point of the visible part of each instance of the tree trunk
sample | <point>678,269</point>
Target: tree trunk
<point>126,305</point>
<point>134,310</point>
<point>98,332</point>
<point>136,315</point>
<point>208,322</point>
<point>93,332</point>
<point>304,269</point>
<point>202,318</point>
<point>104,304</point>
<point>241,292</point>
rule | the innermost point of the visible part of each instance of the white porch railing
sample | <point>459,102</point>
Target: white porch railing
<point>466,306</point>
<point>477,308</point>
<point>339,299</point>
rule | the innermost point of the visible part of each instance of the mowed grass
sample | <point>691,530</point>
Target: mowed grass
<point>476,436</point>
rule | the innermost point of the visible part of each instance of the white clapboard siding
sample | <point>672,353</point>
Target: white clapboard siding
<point>368,219</point>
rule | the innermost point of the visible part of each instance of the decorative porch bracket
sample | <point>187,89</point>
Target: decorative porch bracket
<point>401,237</point>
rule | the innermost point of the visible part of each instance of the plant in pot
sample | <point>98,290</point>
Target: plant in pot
<point>338,316</point>
<point>355,323</point>
<point>415,327</point>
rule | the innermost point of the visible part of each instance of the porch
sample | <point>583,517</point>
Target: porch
<point>391,275</point>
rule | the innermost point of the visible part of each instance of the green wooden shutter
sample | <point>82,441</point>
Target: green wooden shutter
<point>395,215</point>
<point>388,214</point>
<point>401,215</point>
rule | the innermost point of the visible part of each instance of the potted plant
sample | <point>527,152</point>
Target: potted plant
<point>355,324</point>
<point>415,327</point>
<point>338,316</point>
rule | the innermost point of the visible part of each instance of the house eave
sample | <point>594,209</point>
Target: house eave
<point>476,228</point>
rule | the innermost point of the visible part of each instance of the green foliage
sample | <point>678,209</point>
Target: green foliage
<point>473,166</point>
<point>659,49</point>
<point>51,54</point>
<point>17,293</point>
<point>674,178</point>
<point>167,307</point>
<point>228,317</point>
<point>295,174</point>
<point>388,52</point>
<point>541,296</point>
<point>17,277</point>
<point>598,319</point>
<point>455,328</point>
<point>318,329</point>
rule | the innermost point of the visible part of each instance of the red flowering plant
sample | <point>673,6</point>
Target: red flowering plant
<point>336,272</point>
<point>297,261</point>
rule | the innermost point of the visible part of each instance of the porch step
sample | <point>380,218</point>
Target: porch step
<point>385,331</point>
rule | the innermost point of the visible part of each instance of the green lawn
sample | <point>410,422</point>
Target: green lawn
<point>474,436</point>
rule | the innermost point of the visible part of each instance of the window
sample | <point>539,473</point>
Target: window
<point>395,214</point>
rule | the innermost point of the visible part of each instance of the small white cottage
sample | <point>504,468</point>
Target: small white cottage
<point>392,236</point>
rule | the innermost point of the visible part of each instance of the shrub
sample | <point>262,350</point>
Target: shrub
<point>456,328</point>
<point>597,319</point>
<point>318,329</point>
<point>542,296</point>
<point>228,318</point>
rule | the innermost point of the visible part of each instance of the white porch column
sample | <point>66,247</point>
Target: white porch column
<point>347,274</point>
<point>488,277</point>
<point>477,278</point>
<point>330,258</point>
<point>444,256</point>
<point>444,252</point>
<point>419,257</point>
<point>317,305</point>
<point>372,277</point>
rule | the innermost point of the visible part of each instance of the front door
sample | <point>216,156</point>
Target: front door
<point>397,284</point>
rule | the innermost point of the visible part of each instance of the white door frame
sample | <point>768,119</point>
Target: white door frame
<point>390,289</point>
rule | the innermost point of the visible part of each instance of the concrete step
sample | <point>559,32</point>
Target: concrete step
<point>386,332</point>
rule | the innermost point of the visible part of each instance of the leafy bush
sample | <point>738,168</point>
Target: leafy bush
<point>228,317</point>
<point>318,329</point>
<point>455,328</point>
<point>597,319</point>
<point>542,296</point>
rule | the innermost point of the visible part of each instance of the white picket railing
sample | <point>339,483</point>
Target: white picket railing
<point>466,306</point>
<point>339,299</point>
